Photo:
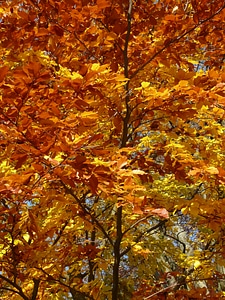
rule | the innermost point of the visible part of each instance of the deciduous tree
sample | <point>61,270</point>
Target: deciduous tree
<point>112,149</point>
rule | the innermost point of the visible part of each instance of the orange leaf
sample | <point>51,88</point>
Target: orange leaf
<point>93,182</point>
<point>122,162</point>
<point>102,4</point>
<point>194,172</point>
<point>3,72</point>
<point>137,210</point>
<point>160,212</point>
<point>195,18</point>
<point>21,179</point>
<point>35,67</point>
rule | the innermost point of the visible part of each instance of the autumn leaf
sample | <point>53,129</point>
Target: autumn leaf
<point>160,212</point>
<point>22,179</point>
<point>212,170</point>
<point>112,149</point>
<point>3,72</point>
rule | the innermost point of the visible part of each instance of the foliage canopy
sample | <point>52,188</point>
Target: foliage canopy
<point>112,149</point>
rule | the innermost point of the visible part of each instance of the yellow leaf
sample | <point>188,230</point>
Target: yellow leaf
<point>193,61</point>
<point>17,242</point>
<point>184,210</point>
<point>26,237</point>
<point>194,209</point>
<point>197,264</point>
<point>137,248</point>
<point>183,83</point>
<point>212,170</point>
<point>95,67</point>
<point>138,172</point>
<point>76,75</point>
<point>145,84</point>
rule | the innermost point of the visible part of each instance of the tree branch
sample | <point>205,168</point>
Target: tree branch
<point>124,138</point>
<point>139,237</point>
<point>175,40</point>
<point>15,285</point>
<point>136,223</point>
<point>126,74</point>
<point>10,290</point>
<point>35,288</point>
<point>163,290</point>
<point>60,233</point>
<point>84,209</point>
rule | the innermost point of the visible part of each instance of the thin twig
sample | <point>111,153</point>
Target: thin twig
<point>162,290</point>
<point>139,237</point>
<point>175,40</point>
<point>85,210</point>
